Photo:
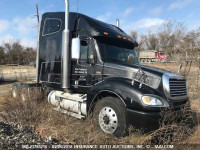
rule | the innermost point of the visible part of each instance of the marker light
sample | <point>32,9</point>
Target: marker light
<point>124,38</point>
<point>151,101</point>
<point>106,33</point>
<point>129,39</point>
<point>119,37</point>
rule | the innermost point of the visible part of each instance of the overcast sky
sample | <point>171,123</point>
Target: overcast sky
<point>17,19</point>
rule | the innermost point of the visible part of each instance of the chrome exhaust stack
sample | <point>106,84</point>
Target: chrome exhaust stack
<point>117,23</point>
<point>65,50</point>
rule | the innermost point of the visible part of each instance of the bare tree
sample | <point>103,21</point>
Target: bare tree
<point>151,41</point>
<point>140,39</point>
<point>134,34</point>
<point>2,55</point>
<point>15,53</point>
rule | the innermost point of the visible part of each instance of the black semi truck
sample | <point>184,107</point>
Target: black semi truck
<point>89,66</point>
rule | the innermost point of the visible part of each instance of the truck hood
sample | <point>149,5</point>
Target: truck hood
<point>150,76</point>
<point>153,70</point>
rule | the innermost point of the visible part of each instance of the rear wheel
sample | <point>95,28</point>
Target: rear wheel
<point>110,116</point>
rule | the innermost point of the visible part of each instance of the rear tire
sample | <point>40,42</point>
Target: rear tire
<point>110,116</point>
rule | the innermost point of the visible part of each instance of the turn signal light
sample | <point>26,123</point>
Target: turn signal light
<point>146,99</point>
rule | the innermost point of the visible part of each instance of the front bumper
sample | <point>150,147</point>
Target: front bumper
<point>146,121</point>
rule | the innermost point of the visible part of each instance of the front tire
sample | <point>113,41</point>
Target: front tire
<point>110,116</point>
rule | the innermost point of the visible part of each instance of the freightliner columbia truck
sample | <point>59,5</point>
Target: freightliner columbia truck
<point>91,67</point>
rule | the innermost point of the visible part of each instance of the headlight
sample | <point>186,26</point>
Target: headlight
<point>151,80</point>
<point>151,101</point>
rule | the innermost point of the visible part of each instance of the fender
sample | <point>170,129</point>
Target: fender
<point>119,87</point>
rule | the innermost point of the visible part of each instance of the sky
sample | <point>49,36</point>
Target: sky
<point>18,21</point>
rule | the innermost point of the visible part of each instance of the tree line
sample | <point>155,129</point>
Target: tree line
<point>171,38</point>
<point>14,53</point>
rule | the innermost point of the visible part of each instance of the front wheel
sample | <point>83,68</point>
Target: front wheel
<point>110,116</point>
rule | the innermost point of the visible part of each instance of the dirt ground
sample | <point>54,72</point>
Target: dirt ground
<point>5,88</point>
<point>10,74</point>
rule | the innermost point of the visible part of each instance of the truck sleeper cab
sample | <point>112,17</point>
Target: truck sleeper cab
<point>105,75</point>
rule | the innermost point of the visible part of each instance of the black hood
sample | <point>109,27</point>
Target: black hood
<point>134,72</point>
<point>133,68</point>
<point>153,70</point>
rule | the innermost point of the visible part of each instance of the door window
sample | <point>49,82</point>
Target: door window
<point>86,50</point>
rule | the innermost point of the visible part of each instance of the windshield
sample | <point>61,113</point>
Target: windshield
<point>117,52</point>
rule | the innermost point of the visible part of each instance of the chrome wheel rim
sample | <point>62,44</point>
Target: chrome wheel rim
<point>108,120</point>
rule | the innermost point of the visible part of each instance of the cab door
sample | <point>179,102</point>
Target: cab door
<point>83,70</point>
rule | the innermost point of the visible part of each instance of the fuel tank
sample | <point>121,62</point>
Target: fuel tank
<point>69,101</point>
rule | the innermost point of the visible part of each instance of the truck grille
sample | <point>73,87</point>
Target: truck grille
<point>177,87</point>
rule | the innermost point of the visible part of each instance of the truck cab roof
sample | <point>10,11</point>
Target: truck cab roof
<point>88,26</point>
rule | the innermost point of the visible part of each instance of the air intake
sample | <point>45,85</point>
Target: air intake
<point>177,87</point>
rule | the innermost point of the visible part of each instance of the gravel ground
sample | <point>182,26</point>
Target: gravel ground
<point>16,136</point>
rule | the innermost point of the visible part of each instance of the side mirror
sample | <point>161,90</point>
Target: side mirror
<point>75,48</point>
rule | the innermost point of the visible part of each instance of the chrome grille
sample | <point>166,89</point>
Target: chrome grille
<point>177,87</point>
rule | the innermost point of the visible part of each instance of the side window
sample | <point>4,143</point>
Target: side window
<point>51,26</point>
<point>86,50</point>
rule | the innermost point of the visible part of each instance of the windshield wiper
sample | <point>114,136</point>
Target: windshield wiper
<point>115,60</point>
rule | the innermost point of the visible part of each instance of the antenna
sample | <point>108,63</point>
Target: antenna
<point>77,5</point>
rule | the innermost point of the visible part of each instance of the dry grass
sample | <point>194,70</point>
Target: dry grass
<point>68,130</point>
<point>38,113</point>
<point>195,105</point>
<point>195,138</point>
